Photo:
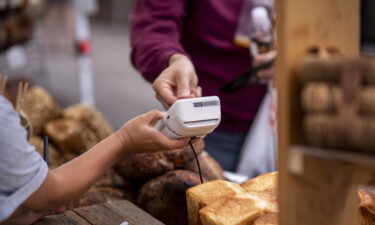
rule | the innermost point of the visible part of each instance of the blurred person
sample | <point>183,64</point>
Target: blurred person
<point>175,43</point>
<point>29,190</point>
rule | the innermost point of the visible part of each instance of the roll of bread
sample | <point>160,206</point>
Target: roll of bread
<point>141,167</point>
<point>70,136</point>
<point>211,170</point>
<point>164,197</point>
<point>91,118</point>
<point>40,108</point>
<point>181,158</point>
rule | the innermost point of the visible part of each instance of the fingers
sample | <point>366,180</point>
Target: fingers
<point>183,86</point>
<point>153,116</point>
<point>161,100</point>
<point>165,93</point>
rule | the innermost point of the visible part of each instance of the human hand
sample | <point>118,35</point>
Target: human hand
<point>178,80</point>
<point>139,135</point>
<point>24,216</point>
<point>262,58</point>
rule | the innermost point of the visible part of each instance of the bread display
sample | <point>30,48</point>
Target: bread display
<point>70,136</point>
<point>40,107</point>
<point>91,118</point>
<point>222,202</point>
<point>164,197</point>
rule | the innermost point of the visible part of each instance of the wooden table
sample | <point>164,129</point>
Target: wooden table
<point>112,213</point>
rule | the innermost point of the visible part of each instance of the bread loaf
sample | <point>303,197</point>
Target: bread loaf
<point>222,202</point>
<point>164,197</point>
<point>211,169</point>
<point>207,193</point>
<point>182,157</point>
<point>40,107</point>
<point>141,167</point>
<point>91,118</point>
<point>70,136</point>
<point>235,210</point>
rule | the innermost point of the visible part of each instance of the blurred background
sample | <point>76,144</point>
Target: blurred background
<point>49,57</point>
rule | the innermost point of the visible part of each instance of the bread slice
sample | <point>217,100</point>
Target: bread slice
<point>235,210</point>
<point>207,193</point>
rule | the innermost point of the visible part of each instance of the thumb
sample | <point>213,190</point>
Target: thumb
<point>183,86</point>
<point>153,116</point>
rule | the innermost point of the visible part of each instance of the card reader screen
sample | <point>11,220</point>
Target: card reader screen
<point>204,104</point>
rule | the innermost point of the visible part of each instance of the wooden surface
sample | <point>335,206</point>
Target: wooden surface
<point>324,191</point>
<point>112,213</point>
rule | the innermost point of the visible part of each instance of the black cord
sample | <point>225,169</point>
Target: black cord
<point>45,149</point>
<point>196,159</point>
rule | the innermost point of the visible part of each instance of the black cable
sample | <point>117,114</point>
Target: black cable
<point>45,149</point>
<point>196,159</point>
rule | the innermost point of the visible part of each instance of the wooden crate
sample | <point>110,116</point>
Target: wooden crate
<point>315,186</point>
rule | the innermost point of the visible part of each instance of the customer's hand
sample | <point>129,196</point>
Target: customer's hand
<point>261,58</point>
<point>178,80</point>
<point>139,135</point>
<point>23,216</point>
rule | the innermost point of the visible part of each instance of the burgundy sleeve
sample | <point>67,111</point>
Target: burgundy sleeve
<point>155,34</point>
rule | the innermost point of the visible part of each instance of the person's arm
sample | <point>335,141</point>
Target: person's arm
<point>157,52</point>
<point>155,32</point>
<point>70,180</point>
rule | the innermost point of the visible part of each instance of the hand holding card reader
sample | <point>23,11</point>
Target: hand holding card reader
<point>191,117</point>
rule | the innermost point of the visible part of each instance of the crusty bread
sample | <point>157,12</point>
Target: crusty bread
<point>164,197</point>
<point>235,210</point>
<point>91,118</point>
<point>207,193</point>
<point>40,107</point>
<point>182,157</point>
<point>97,195</point>
<point>70,136</point>
<point>141,167</point>
<point>211,169</point>
<point>267,219</point>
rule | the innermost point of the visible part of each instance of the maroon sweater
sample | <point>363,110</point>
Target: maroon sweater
<point>204,31</point>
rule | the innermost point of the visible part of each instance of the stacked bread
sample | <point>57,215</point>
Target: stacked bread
<point>221,202</point>
<point>162,179</point>
<point>338,103</point>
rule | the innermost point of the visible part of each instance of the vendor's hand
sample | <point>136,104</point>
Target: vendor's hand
<point>261,58</point>
<point>139,135</point>
<point>178,80</point>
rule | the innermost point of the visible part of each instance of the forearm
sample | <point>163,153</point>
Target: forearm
<point>72,179</point>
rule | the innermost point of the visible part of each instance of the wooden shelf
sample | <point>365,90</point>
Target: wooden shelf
<point>333,154</point>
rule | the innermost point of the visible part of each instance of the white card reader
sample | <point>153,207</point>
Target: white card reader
<point>191,117</point>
